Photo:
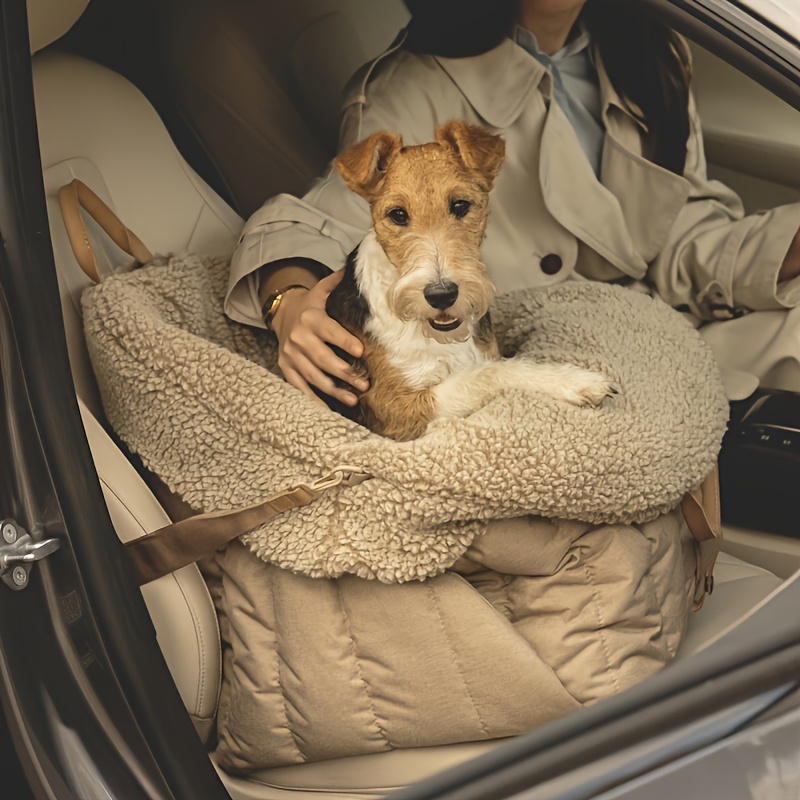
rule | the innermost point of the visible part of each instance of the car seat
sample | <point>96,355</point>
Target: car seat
<point>94,125</point>
<point>260,81</point>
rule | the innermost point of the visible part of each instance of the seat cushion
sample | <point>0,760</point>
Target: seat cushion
<point>738,588</point>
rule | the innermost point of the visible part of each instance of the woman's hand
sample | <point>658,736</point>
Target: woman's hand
<point>304,329</point>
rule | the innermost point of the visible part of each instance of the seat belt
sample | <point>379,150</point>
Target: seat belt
<point>182,543</point>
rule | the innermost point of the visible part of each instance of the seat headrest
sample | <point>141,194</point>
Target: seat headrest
<point>49,20</point>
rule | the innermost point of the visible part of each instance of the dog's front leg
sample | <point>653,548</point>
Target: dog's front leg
<point>462,394</point>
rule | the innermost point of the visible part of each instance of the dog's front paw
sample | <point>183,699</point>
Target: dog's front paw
<point>583,387</point>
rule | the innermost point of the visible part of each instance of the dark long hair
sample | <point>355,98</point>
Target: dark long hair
<point>647,63</point>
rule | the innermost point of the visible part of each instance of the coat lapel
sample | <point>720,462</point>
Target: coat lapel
<point>626,215</point>
<point>649,196</point>
<point>578,201</point>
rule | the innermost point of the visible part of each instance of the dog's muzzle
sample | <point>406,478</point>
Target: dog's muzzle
<point>441,296</point>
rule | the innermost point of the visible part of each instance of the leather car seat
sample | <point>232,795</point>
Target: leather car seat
<point>259,82</point>
<point>94,125</point>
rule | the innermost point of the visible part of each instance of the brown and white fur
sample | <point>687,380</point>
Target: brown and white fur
<point>417,294</point>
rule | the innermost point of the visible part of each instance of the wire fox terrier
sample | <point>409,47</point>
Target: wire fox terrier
<point>416,292</point>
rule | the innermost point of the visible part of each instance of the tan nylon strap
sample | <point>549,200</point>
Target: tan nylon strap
<point>76,195</point>
<point>163,551</point>
<point>701,510</point>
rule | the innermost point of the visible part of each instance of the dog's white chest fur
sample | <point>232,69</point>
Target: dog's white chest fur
<point>422,360</point>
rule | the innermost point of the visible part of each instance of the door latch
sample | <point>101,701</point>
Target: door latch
<point>18,551</point>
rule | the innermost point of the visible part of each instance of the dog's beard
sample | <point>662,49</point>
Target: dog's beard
<point>407,301</point>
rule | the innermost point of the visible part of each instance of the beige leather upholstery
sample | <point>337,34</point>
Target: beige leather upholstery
<point>779,555</point>
<point>96,126</point>
<point>738,588</point>
<point>750,134</point>
<point>179,604</point>
<point>360,777</point>
<point>48,20</point>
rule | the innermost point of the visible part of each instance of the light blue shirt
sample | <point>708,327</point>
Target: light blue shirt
<point>576,88</point>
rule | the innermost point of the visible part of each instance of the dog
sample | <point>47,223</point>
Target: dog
<point>417,293</point>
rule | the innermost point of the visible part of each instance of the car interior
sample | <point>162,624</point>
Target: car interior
<point>245,94</point>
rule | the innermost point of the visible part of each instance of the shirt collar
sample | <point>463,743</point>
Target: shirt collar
<point>527,41</point>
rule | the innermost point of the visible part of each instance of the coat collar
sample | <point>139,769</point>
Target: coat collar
<point>518,73</point>
<point>480,78</point>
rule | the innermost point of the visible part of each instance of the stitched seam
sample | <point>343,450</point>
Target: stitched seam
<point>655,596</point>
<point>437,608</point>
<point>600,632</point>
<point>511,613</point>
<point>359,673</point>
<point>672,649</point>
<point>278,662</point>
<point>200,644</point>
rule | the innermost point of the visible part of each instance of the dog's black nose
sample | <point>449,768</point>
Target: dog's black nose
<point>441,295</point>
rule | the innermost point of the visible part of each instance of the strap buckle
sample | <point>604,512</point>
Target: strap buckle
<point>342,475</point>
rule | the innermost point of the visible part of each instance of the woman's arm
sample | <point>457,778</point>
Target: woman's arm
<point>715,259</point>
<point>316,232</point>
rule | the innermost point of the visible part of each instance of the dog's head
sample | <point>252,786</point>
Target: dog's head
<point>429,206</point>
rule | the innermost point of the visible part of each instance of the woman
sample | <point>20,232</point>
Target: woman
<point>605,179</point>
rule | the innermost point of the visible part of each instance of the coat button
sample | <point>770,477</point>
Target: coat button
<point>551,264</point>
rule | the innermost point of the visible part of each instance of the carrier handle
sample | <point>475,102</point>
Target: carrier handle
<point>75,196</point>
<point>182,543</point>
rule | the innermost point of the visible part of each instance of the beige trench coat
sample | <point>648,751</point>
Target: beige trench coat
<point>550,219</point>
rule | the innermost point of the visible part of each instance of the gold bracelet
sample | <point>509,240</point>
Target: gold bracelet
<point>273,303</point>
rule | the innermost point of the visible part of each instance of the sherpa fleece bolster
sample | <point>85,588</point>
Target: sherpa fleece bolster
<point>198,397</point>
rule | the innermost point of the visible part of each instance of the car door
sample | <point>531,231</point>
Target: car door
<point>89,709</point>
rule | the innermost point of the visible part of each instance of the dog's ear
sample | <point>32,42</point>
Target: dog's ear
<point>364,165</point>
<point>477,149</point>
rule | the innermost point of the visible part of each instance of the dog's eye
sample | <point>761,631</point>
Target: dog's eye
<point>459,208</point>
<point>399,216</point>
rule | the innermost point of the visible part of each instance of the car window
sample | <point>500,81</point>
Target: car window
<point>782,14</point>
